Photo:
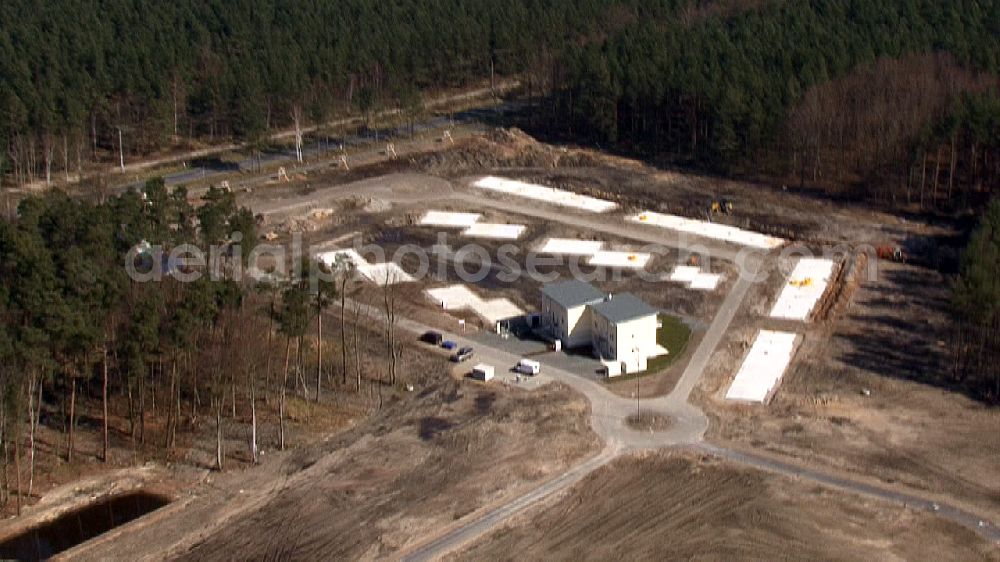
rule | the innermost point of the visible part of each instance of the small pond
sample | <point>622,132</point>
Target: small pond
<point>75,527</point>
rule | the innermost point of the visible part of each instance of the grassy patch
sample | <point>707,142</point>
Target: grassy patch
<point>673,335</point>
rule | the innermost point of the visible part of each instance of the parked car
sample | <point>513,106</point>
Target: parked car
<point>463,354</point>
<point>433,338</point>
<point>448,344</point>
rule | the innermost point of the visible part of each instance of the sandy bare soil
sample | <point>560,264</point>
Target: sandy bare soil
<point>452,447</point>
<point>679,507</point>
<point>416,468</point>
<point>915,428</point>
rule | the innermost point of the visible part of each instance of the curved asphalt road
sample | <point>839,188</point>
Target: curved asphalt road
<point>988,530</point>
<point>465,533</point>
<point>609,411</point>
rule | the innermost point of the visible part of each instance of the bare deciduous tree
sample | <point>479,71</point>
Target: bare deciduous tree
<point>392,349</point>
<point>297,120</point>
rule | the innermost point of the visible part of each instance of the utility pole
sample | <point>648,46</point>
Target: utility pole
<point>635,349</point>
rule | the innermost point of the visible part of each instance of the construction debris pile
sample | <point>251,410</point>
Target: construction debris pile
<point>503,148</point>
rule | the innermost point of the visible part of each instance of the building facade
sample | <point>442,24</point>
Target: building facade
<point>623,333</point>
<point>621,329</point>
<point>565,311</point>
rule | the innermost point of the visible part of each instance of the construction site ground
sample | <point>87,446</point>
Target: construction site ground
<point>869,393</point>
<point>417,466</point>
<point>866,396</point>
<point>912,428</point>
<point>682,506</point>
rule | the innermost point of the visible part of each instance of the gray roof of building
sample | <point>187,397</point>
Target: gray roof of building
<point>572,293</point>
<point>623,307</point>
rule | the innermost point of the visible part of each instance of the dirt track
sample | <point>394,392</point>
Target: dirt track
<point>417,468</point>
<point>680,507</point>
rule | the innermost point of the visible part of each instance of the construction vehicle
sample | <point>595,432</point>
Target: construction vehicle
<point>721,207</point>
<point>890,252</point>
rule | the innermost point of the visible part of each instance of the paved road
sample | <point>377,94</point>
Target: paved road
<point>500,88</point>
<point>713,336</point>
<point>985,528</point>
<point>320,153</point>
<point>600,223</point>
<point>465,533</point>
<point>608,415</point>
<point>609,411</point>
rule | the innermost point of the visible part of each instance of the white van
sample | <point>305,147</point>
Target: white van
<point>529,367</point>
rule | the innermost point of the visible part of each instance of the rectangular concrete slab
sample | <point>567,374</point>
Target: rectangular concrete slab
<point>705,281</point>
<point>382,273</point>
<point>632,260</point>
<point>331,258</point>
<point>763,367</point>
<point>571,247</point>
<point>495,231</point>
<point>379,273</point>
<point>803,289</point>
<point>684,273</point>
<point>457,297</point>
<point>545,194</point>
<point>695,278</point>
<point>449,219</point>
<point>711,230</point>
<point>453,297</point>
<point>496,310</point>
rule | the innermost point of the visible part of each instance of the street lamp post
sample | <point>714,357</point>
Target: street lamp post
<point>635,349</point>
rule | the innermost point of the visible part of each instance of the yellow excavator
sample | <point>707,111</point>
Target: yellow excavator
<point>721,207</point>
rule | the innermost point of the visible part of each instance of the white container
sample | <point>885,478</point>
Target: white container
<point>482,372</point>
<point>529,367</point>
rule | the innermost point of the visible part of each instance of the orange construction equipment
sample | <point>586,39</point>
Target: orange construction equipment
<point>888,252</point>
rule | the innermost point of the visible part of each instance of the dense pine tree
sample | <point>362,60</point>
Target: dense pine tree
<point>75,73</point>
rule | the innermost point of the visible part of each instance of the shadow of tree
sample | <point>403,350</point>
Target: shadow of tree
<point>901,328</point>
<point>484,403</point>
<point>431,426</point>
